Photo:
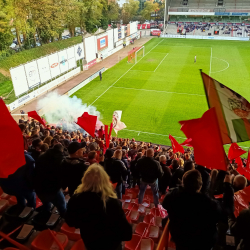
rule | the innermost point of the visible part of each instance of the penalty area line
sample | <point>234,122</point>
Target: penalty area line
<point>123,75</point>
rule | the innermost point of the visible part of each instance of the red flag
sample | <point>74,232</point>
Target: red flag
<point>87,122</point>
<point>235,151</point>
<point>11,144</point>
<point>175,145</point>
<point>241,169</point>
<point>248,161</point>
<point>33,114</point>
<point>187,143</point>
<point>108,133</point>
<point>206,140</point>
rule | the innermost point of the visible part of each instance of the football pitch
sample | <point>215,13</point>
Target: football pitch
<point>165,86</point>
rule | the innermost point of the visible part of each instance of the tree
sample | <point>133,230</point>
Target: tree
<point>75,10</point>
<point>129,10</point>
<point>93,14</point>
<point>149,7</point>
<point>5,24</point>
<point>113,12</point>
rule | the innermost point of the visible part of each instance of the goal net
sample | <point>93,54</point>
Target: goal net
<point>135,54</point>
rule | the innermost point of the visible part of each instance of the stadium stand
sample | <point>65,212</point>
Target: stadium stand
<point>95,219</point>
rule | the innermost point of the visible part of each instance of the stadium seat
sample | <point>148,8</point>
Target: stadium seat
<point>158,213</point>
<point>131,215</point>
<point>4,195</point>
<point>148,230</point>
<point>148,191</point>
<point>151,219</point>
<point>125,205</point>
<point>3,205</point>
<point>12,200</point>
<point>127,198</point>
<point>44,240</point>
<point>139,243</point>
<point>17,212</point>
<point>149,197</point>
<point>38,202</point>
<point>137,207</point>
<point>132,191</point>
<point>79,245</point>
<point>145,202</point>
<point>71,232</point>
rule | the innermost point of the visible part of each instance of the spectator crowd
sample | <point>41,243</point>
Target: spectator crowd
<point>59,162</point>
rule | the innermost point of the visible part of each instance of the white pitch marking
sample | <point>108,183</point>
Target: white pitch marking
<point>123,75</point>
<point>160,91</point>
<point>222,69</point>
<point>161,62</point>
<point>151,133</point>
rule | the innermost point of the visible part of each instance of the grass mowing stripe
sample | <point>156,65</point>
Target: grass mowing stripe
<point>122,75</point>
<point>211,61</point>
<point>160,91</point>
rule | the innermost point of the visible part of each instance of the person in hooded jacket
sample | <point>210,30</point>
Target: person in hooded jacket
<point>116,170</point>
<point>48,179</point>
<point>95,209</point>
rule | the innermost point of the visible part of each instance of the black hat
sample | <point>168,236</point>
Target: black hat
<point>74,146</point>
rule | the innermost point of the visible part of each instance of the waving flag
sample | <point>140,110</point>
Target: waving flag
<point>235,151</point>
<point>175,145</point>
<point>206,140</point>
<point>11,158</point>
<point>248,161</point>
<point>34,115</point>
<point>232,110</point>
<point>117,124</point>
<point>87,122</point>
<point>187,143</point>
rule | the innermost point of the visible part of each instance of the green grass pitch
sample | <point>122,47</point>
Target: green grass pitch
<point>165,86</point>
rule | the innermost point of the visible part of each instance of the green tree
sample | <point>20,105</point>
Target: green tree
<point>113,12</point>
<point>149,7</point>
<point>129,10</point>
<point>93,14</point>
<point>5,24</point>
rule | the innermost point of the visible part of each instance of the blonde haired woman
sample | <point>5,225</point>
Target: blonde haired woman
<point>95,209</point>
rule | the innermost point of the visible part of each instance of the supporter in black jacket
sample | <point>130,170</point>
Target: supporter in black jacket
<point>164,181</point>
<point>116,170</point>
<point>150,171</point>
<point>48,180</point>
<point>205,179</point>
<point>94,209</point>
<point>240,228</point>
<point>135,173</point>
<point>73,167</point>
<point>193,215</point>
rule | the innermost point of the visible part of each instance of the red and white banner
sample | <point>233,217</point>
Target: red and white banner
<point>90,64</point>
<point>102,42</point>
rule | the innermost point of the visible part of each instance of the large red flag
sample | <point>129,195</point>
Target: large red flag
<point>87,122</point>
<point>187,143</point>
<point>33,114</point>
<point>11,144</point>
<point>175,145</point>
<point>235,151</point>
<point>206,140</point>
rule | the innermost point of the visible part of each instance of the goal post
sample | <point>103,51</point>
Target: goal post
<point>139,54</point>
<point>135,53</point>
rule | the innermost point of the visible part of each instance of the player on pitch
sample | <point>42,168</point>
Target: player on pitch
<point>195,59</point>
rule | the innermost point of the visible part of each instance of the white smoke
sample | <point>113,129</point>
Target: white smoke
<point>64,110</point>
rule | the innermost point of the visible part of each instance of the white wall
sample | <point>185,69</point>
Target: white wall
<point>110,40</point>
<point>116,34</point>
<point>90,48</point>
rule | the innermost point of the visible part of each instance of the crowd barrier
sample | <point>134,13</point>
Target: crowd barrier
<point>49,86</point>
<point>207,37</point>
